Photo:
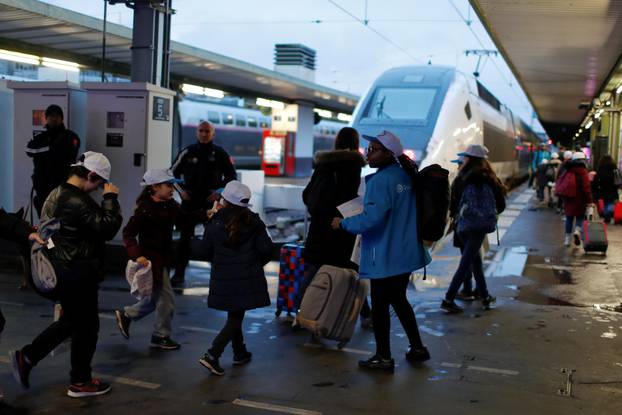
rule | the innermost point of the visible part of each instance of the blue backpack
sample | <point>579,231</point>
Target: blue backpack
<point>478,209</point>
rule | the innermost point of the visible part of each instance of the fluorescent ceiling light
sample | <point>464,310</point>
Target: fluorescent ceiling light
<point>192,89</point>
<point>589,124</point>
<point>19,57</point>
<point>323,113</point>
<point>214,93</point>
<point>262,102</point>
<point>59,64</point>
<point>619,90</point>
<point>344,117</point>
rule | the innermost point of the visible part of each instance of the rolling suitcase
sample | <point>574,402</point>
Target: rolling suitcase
<point>594,235</point>
<point>291,276</point>
<point>617,213</point>
<point>332,303</point>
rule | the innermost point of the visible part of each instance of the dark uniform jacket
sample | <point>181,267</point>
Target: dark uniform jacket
<point>79,245</point>
<point>204,169</point>
<point>53,152</point>
<point>237,280</point>
<point>604,186</point>
<point>335,180</point>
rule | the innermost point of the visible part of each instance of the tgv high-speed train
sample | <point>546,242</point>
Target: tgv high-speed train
<point>438,111</point>
<point>239,130</point>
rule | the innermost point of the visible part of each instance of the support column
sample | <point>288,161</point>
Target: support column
<point>299,119</point>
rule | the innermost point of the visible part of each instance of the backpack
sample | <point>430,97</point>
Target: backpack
<point>478,209</point>
<point>566,185</point>
<point>42,270</point>
<point>432,202</point>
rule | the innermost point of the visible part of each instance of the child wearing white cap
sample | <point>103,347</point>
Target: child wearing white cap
<point>238,246</point>
<point>148,238</point>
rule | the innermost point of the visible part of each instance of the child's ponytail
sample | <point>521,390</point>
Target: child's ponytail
<point>146,193</point>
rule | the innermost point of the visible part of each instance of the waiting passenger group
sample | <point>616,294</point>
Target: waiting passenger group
<point>237,244</point>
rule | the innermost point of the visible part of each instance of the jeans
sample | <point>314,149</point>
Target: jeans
<point>471,261</point>
<point>310,271</point>
<point>609,209</point>
<point>80,321</point>
<point>231,332</point>
<point>391,291</point>
<point>162,301</point>
<point>570,220</point>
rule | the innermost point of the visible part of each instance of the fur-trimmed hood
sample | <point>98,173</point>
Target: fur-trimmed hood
<point>338,156</point>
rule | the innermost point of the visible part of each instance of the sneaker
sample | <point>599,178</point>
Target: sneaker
<point>567,238</point>
<point>377,363</point>
<point>486,302</point>
<point>211,363</point>
<point>21,368</point>
<point>164,343</point>
<point>417,355</point>
<point>451,307</point>
<point>123,322</point>
<point>93,388</point>
<point>465,296</point>
<point>577,236</point>
<point>242,358</point>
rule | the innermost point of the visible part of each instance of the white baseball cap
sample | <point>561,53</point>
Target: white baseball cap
<point>475,150</point>
<point>95,162</point>
<point>237,193</point>
<point>554,156</point>
<point>157,176</point>
<point>567,155</point>
<point>389,141</point>
<point>578,155</point>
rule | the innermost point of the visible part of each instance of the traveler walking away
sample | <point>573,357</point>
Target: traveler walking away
<point>390,250</point>
<point>606,185</point>
<point>538,155</point>
<point>148,238</point>
<point>545,175</point>
<point>204,167</point>
<point>238,246</point>
<point>78,259</point>
<point>14,229</point>
<point>573,187</point>
<point>335,180</point>
<point>467,293</point>
<point>53,152</point>
<point>477,198</point>
<point>564,165</point>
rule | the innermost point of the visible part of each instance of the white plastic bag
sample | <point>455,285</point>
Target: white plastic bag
<point>140,279</point>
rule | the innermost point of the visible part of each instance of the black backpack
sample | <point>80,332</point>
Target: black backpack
<point>432,188</point>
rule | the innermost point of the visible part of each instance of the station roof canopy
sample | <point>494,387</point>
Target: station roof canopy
<point>563,52</point>
<point>34,27</point>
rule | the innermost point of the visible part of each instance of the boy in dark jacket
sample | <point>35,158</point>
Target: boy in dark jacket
<point>238,246</point>
<point>606,185</point>
<point>78,259</point>
<point>152,223</point>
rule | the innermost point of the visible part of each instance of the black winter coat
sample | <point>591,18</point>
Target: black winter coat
<point>85,227</point>
<point>604,186</point>
<point>237,281</point>
<point>335,180</point>
<point>204,168</point>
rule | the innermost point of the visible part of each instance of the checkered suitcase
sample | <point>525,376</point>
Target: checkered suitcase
<point>291,275</point>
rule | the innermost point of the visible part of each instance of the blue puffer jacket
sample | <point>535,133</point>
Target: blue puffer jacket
<point>388,225</point>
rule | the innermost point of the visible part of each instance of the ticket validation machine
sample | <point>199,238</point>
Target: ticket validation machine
<point>278,153</point>
<point>132,124</point>
<point>30,99</point>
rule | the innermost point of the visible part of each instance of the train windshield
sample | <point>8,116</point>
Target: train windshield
<point>400,104</point>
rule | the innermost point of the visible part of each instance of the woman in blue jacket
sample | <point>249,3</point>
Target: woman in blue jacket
<point>390,249</point>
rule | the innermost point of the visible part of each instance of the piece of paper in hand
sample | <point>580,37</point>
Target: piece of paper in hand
<point>356,251</point>
<point>351,208</point>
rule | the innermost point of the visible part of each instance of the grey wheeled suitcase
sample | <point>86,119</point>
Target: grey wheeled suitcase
<point>332,303</point>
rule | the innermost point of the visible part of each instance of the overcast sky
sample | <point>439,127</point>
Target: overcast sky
<point>349,54</point>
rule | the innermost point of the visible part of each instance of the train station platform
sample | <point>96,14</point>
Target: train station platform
<point>551,344</point>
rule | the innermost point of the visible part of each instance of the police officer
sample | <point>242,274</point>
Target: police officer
<point>53,152</point>
<point>204,167</point>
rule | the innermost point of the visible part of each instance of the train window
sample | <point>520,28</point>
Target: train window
<point>252,122</point>
<point>240,121</point>
<point>487,96</point>
<point>227,119</point>
<point>467,111</point>
<point>213,117</point>
<point>401,104</point>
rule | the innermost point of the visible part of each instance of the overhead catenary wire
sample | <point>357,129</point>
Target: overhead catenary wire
<point>377,32</point>
<point>312,21</point>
